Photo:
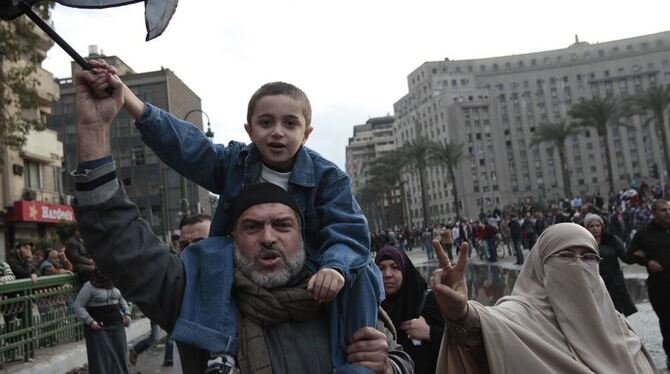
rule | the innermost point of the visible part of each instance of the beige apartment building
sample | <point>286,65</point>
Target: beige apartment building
<point>30,178</point>
<point>371,140</point>
<point>493,106</point>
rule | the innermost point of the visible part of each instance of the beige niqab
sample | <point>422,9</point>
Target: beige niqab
<point>559,317</point>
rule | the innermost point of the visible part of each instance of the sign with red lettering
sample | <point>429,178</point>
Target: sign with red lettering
<point>37,211</point>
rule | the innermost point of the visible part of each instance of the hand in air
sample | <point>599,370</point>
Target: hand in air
<point>325,284</point>
<point>94,104</point>
<point>448,283</point>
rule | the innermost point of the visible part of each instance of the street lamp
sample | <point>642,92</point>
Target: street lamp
<point>182,181</point>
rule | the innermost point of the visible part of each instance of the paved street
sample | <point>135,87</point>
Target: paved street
<point>644,322</point>
<point>151,361</point>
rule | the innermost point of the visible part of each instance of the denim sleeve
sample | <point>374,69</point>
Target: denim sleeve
<point>184,147</point>
<point>346,244</point>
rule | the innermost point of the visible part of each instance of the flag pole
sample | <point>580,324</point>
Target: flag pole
<point>54,36</point>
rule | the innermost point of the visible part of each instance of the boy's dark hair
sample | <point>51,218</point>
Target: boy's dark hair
<point>280,88</point>
<point>192,219</point>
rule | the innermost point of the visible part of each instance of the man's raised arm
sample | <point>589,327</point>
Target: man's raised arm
<point>119,240</point>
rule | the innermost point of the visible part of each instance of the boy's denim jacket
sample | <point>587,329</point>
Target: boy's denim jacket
<point>335,229</point>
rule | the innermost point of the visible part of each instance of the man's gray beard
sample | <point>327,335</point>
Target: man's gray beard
<point>275,278</point>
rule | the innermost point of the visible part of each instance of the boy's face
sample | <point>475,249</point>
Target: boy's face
<point>278,128</point>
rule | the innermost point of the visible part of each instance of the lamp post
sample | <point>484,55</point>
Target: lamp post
<point>185,210</point>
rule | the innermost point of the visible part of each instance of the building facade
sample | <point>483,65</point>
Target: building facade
<point>493,106</point>
<point>370,141</point>
<point>30,178</point>
<point>154,187</point>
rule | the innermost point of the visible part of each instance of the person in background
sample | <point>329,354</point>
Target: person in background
<point>558,318</point>
<point>447,239</point>
<point>6,273</point>
<point>21,261</point>
<point>76,252</point>
<point>55,264</point>
<point>192,229</point>
<point>611,250</point>
<point>38,258</point>
<point>651,247</point>
<point>412,308</point>
<point>426,237</point>
<point>105,314</point>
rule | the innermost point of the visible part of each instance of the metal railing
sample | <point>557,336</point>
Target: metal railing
<point>37,315</point>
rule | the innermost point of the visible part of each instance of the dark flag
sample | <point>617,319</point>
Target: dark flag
<point>157,13</point>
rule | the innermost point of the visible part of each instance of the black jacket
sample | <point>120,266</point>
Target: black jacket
<point>21,268</point>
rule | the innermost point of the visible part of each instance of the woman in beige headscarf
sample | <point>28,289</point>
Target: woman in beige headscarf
<point>558,319</point>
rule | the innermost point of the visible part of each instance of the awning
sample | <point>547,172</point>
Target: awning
<point>37,211</point>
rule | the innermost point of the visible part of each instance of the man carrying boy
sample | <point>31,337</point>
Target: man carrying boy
<point>336,232</point>
<point>267,232</point>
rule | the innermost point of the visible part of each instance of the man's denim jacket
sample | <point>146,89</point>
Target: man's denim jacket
<point>336,231</point>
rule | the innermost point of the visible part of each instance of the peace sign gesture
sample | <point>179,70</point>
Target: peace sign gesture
<point>448,283</point>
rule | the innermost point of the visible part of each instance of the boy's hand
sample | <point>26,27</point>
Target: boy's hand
<point>325,284</point>
<point>100,68</point>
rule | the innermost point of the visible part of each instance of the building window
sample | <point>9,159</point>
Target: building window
<point>138,155</point>
<point>33,174</point>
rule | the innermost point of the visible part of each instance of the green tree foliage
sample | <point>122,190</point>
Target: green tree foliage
<point>656,100</point>
<point>417,153</point>
<point>601,114</point>
<point>556,133</point>
<point>449,155</point>
<point>18,86</point>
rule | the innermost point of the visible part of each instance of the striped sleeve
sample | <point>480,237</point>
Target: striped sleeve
<point>95,181</point>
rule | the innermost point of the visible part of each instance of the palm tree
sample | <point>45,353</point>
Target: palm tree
<point>557,133</point>
<point>449,155</point>
<point>416,153</point>
<point>385,175</point>
<point>601,114</point>
<point>655,100</point>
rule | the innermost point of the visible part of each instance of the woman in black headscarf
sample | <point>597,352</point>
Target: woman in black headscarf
<point>105,313</point>
<point>412,308</point>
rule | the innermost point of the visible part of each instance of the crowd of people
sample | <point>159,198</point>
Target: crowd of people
<point>630,226</point>
<point>286,281</point>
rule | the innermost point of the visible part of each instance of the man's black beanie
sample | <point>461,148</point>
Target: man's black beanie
<point>262,193</point>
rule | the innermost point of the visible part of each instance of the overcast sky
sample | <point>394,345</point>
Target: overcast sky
<point>350,57</point>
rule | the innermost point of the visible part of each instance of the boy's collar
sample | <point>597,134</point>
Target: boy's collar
<point>302,172</point>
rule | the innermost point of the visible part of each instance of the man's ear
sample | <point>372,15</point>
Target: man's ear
<point>247,128</point>
<point>308,130</point>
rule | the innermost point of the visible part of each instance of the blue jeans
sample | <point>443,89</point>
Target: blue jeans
<point>168,349</point>
<point>345,320</point>
<point>491,245</point>
<point>428,247</point>
<point>150,340</point>
<point>518,250</point>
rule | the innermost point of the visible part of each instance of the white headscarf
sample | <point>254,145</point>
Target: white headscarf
<point>559,317</point>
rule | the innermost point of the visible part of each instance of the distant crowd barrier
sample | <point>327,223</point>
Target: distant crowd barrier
<point>37,315</point>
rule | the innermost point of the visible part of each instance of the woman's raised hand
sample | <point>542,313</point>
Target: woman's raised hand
<point>448,283</point>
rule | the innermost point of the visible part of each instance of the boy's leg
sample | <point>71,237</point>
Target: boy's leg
<point>209,319</point>
<point>366,293</point>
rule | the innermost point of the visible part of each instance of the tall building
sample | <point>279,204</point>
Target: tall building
<point>30,178</point>
<point>493,106</point>
<point>371,140</point>
<point>154,187</point>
